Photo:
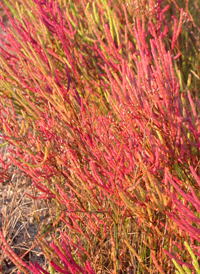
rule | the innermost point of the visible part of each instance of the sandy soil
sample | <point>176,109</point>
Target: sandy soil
<point>20,217</point>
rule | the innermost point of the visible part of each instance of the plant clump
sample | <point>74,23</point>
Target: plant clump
<point>99,100</point>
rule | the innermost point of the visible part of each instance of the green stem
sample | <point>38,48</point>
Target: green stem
<point>117,246</point>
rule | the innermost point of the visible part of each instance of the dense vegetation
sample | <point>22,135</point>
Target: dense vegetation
<point>100,102</point>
